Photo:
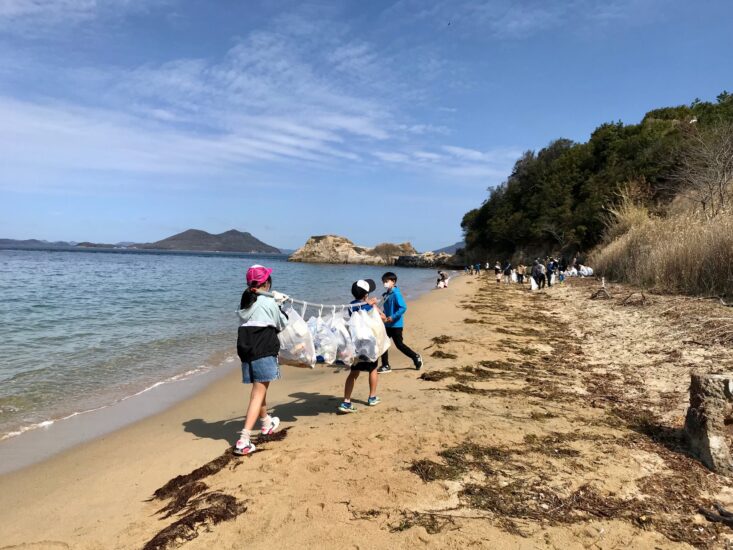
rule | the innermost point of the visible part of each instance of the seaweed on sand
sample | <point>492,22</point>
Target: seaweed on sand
<point>439,354</point>
<point>173,486</point>
<point>208,509</point>
<point>431,522</point>
<point>428,470</point>
<point>435,375</point>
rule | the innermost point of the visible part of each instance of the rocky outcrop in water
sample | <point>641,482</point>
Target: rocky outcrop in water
<point>333,249</point>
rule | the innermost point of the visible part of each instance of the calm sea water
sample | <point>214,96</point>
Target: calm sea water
<point>81,330</point>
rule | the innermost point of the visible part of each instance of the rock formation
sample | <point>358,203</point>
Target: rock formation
<point>332,249</point>
<point>707,421</point>
<point>427,259</point>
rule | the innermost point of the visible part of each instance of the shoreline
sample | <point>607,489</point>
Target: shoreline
<point>186,433</point>
<point>31,443</point>
<point>561,433</point>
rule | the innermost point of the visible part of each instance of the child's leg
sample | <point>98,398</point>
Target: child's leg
<point>256,404</point>
<point>385,357</point>
<point>396,334</point>
<point>349,385</point>
<point>373,379</point>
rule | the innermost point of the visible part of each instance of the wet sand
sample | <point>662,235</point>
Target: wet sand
<point>532,427</point>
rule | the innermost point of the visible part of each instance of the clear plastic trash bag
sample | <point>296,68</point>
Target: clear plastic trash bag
<point>324,340</point>
<point>345,352</point>
<point>296,342</point>
<point>533,283</point>
<point>379,330</point>
<point>366,348</point>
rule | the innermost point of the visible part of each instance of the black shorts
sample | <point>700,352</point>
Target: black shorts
<point>364,367</point>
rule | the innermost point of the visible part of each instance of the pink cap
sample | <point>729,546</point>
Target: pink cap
<point>258,273</point>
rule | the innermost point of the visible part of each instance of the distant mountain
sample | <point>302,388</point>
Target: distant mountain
<point>452,248</point>
<point>33,243</point>
<point>197,240</point>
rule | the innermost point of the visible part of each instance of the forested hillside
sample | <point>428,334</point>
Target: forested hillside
<point>559,199</point>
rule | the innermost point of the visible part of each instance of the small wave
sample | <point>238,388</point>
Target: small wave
<point>47,423</point>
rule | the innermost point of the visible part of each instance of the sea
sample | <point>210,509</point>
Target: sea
<point>81,330</point>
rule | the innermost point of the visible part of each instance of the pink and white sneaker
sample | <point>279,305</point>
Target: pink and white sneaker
<point>244,446</point>
<point>269,430</point>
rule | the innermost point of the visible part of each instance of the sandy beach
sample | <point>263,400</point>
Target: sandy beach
<point>541,420</point>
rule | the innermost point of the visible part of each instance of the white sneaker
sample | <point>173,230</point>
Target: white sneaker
<point>244,446</point>
<point>269,430</point>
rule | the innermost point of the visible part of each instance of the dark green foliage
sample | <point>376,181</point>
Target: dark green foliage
<point>556,200</point>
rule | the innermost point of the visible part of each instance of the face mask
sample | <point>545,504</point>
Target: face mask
<point>387,285</point>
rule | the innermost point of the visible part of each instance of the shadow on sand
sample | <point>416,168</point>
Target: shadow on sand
<point>302,404</point>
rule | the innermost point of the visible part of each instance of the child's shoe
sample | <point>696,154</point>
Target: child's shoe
<point>418,362</point>
<point>274,423</point>
<point>244,446</point>
<point>372,401</point>
<point>384,369</point>
<point>346,408</point>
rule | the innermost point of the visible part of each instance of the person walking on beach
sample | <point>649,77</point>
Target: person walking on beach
<point>507,270</point>
<point>497,271</point>
<point>394,309</point>
<point>551,268</point>
<point>360,291</point>
<point>537,274</point>
<point>260,320</point>
<point>521,270</point>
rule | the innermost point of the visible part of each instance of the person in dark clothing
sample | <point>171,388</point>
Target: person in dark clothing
<point>507,270</point>
<point>551,268</point>
<point>394,308</point>
<point>537,274</point>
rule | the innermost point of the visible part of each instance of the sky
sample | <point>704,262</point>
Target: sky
<point>382,121</point>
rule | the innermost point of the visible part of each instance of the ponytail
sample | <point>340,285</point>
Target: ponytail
<point>249,297</point>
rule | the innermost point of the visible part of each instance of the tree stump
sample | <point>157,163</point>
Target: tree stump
<point>711,405</point>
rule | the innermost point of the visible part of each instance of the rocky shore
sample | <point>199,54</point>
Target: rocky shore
<point>333,249</point>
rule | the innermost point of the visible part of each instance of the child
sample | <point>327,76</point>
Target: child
<point>257,346</point>
<point>393,317</point>
<point>360,291</point>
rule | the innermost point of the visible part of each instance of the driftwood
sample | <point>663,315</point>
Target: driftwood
<point>720,516</point>
<point>601,293</point>
<point>628,301</point>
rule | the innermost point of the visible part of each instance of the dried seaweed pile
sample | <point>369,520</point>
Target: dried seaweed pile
<point>195,507</point>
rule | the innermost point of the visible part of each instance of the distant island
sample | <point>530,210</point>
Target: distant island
<point>191,240</point>
<point>195,240</point>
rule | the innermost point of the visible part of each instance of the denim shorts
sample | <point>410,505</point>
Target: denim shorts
<point>264,369</point>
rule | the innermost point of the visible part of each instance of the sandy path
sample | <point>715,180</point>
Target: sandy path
<point>546,423</point>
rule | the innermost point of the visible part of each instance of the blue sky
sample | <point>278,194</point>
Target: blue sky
<point>379,121</point>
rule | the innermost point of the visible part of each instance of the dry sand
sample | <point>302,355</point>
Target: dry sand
<point>547,420</point>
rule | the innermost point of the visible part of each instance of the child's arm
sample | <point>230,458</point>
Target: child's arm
<point>401,308</point>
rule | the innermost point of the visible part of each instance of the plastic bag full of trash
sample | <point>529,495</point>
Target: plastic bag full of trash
<point>296,342</point>
<point>324,340</point>
<point>338,326</point>
<point>366,348</point>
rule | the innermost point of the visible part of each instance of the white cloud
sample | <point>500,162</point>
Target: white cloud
<point>38,17</point>
<point>456,162</point>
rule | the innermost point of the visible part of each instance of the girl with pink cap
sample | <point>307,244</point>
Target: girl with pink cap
<point>260,321</point>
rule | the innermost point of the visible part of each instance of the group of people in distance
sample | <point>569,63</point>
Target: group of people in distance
<point>261,318</point>
<point>544,272</point>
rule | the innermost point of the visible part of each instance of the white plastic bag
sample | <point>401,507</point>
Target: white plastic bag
<point>534,284</point>
<point>296,342</point>
<point>324,340</point>
<point>366,348</point>
<point>514,276</point>
<point>345,351</point>
<point>379,330</point>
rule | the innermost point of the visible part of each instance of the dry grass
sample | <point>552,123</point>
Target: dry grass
<point>680,253</point>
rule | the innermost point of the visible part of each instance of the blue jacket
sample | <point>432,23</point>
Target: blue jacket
<point>395,307</point>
